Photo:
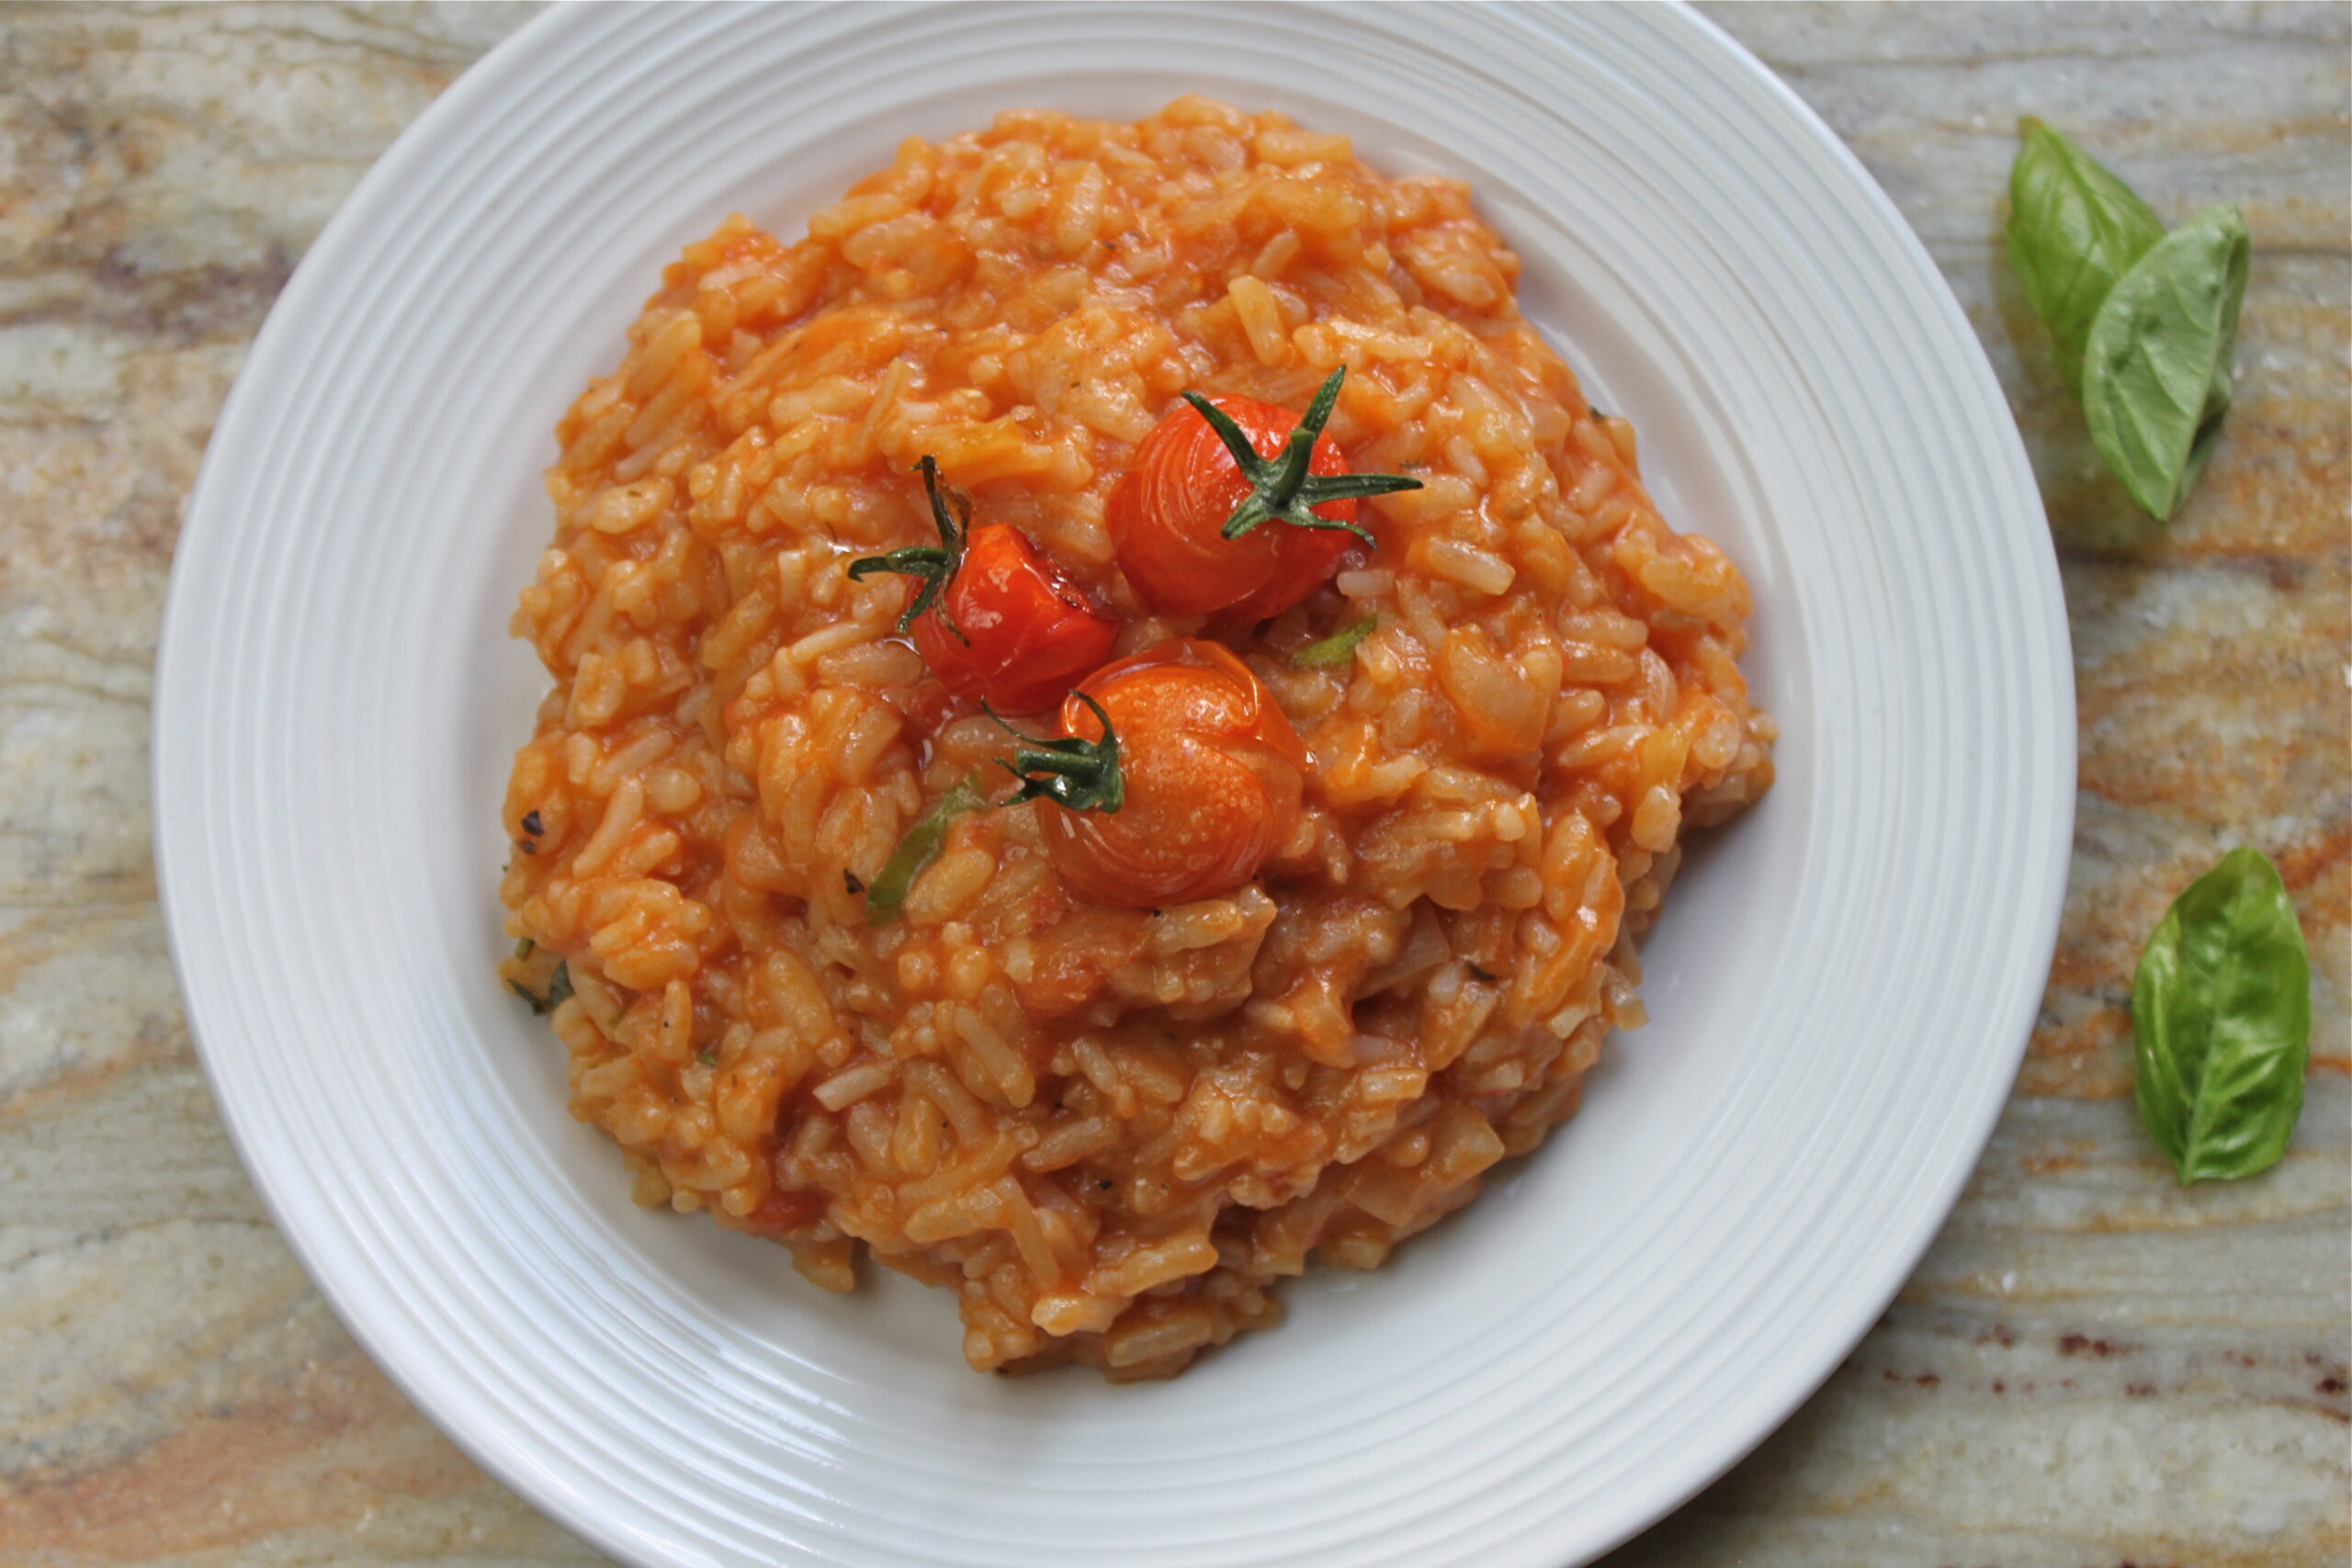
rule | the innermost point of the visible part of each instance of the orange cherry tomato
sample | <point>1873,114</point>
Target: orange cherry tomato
<point>997,621</point>
<point>1166,512</point>
<point>1211,774</point>
<point>1173,515</point>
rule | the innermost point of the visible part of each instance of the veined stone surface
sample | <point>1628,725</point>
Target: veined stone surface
<point>2091,1367</point>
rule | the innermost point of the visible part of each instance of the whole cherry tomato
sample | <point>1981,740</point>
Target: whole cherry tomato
<point>1174,777</point>
<point>996,620</point>
<point>1237,505</point>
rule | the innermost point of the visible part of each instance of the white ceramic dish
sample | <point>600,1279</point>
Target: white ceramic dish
<point>1841,986</point>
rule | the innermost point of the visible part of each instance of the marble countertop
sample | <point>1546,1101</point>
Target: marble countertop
<point>2091,1367</point>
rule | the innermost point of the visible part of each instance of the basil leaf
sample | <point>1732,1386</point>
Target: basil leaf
<point>2222,1017</point>
<point>2075,231</point>
<point>2156,374</point>
<point>559,987</point>
<point>1334,653</point>
<point>917,849</point>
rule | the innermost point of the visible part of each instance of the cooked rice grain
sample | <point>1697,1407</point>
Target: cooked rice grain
<point>1108,1130</point>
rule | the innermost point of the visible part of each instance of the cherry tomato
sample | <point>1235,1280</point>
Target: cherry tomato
<point>1205,776</point>
<point>997,621</point>
<point>1199,528</point>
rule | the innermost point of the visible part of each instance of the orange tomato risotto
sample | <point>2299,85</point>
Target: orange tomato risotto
<point>1389,817</point>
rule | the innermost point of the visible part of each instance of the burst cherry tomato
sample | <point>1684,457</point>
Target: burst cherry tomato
<point>996,620</point>
<point>1174,777</point>
<point>1237,505</point>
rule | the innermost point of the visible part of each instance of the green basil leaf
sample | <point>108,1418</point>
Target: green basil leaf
<point>1335,652</point>
<point>917,849</point>
<point>559,987</point>
<point>2222,1017</point>
<point>2075,231</point>
<point>2156,373</point>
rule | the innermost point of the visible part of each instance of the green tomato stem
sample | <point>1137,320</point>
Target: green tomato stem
<point>1282,488</point>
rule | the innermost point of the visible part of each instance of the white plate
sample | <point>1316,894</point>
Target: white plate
<point>1841,986</point>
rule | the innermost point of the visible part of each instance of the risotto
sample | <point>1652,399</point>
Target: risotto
<point>1105,1011</point>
